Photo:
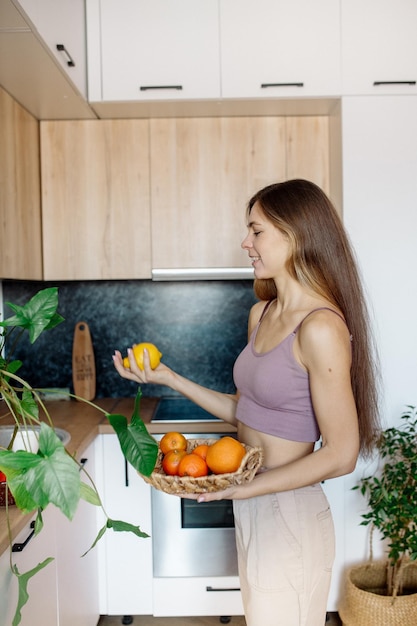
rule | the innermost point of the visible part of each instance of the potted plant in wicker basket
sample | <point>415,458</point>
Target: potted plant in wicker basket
<point>31,479</point>
<point>384,593</point>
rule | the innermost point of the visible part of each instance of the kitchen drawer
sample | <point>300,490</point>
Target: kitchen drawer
<point>197,596</point>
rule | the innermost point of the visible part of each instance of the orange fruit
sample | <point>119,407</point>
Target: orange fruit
<point>201,450</point>
<point>192,465</point>
<point>172,460</point>
<point>225,455</point>
<point>154,355</point>
<point>172,441</point>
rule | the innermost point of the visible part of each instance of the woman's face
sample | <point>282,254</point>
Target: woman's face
<point>267,246</point>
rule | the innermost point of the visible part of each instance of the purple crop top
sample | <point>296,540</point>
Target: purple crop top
<point>274,390</point>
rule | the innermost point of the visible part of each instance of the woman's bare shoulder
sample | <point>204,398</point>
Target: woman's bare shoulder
<point>256,312</point>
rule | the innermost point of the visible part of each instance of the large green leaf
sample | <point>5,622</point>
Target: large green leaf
<point>117,526</point>
<point>36,315</point>
<point>120,526</point>
<point>50,476</point>
<point>138,446</point>
<point>23,580</point>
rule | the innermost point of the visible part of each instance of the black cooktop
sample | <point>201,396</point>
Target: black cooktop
<point>177,409</point>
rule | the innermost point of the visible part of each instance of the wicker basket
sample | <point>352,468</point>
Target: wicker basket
<point>363,604</point>
<point>250,464</point>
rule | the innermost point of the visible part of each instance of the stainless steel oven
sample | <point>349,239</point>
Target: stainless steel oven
<point>190,538</point>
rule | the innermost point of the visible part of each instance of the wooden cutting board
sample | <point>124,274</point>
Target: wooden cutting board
<point>83,363</point>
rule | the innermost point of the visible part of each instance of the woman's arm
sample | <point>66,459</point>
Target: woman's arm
<point>222,405</point>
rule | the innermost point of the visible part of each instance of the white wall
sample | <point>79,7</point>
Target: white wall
<point>379,137</point>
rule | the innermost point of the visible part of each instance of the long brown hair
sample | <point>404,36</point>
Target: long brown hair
<point>323,260</point>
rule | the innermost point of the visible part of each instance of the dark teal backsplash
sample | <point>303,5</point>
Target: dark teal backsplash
<point>200,327</point>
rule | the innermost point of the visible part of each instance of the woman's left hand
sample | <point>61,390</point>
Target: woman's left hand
<point>210,496</point>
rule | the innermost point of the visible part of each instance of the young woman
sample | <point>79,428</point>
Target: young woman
<point>307,375</point>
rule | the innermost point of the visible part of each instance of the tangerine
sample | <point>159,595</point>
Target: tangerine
<point>192,465</point>
<point>172,441</point>
<point>201,450</point>
<point>172,460</point>
<point>154,355</point>
<point>225,455</point>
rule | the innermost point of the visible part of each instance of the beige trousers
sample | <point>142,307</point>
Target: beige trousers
<point>285,544</point>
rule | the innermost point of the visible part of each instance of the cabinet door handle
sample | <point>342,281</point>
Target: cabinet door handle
<point>126,473</point>
<point>19,547</point>
<point>61,48</point>
<point>266,85</point>
<point>150,87</point>
<point>222,588</point>
<point>377,83</point>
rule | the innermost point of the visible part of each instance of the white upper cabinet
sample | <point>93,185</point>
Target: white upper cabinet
<point>379,47</point>
<point>153,49</point>
<point>62,24</point>
<point>280,48</point>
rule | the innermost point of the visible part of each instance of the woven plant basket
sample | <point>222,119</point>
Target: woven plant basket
<point>250,464</point>
<point>363,602</point>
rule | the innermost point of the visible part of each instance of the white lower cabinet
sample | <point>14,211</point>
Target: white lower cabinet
<point>42,607</point>
<point>125,560</point>
<point>197,596</point>
<point>77,575</point>
<point>65,592</point>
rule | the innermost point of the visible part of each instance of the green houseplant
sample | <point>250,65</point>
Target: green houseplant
<point>391,495</point>
<point>51,475</point>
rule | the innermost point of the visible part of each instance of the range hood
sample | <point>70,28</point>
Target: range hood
<point>206,273</point>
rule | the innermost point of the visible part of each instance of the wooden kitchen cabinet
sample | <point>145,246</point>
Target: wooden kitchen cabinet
<point>20,211</point>
<point>95,200</point>
<point>153,49</point>
<point>62,23</point>
<point>379,47</point>
<point>205,170</point>
<point>125,561</point>
<point>280,48</point>
<point>42,607</point>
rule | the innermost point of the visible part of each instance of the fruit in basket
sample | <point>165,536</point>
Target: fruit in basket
<point>225,455</point>
<point>154,355</point>
<point>172,441</point>
<point>172,460</point>
<point>192,465</point>
<point>201,450</point>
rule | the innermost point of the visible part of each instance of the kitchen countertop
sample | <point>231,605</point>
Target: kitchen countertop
<point>84,422</point>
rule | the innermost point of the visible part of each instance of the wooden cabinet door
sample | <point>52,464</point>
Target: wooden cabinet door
<point>20,212</point>
<point>95,200</point>
<point>156,49</point>
<point>280,48</point>
<point>204,171</point>
<point>379,47</point>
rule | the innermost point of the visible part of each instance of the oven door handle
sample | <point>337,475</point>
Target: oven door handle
<point>209,588</point>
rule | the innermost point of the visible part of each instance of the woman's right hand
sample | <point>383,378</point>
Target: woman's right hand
<point>161,375</point>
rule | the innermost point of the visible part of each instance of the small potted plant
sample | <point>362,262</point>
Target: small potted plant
<point>34,478</point>
<point>385,592</point>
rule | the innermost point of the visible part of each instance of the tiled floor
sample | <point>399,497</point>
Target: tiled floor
<point>333,620</point>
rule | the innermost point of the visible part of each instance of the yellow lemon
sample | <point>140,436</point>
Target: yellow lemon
<point>154,355</point>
